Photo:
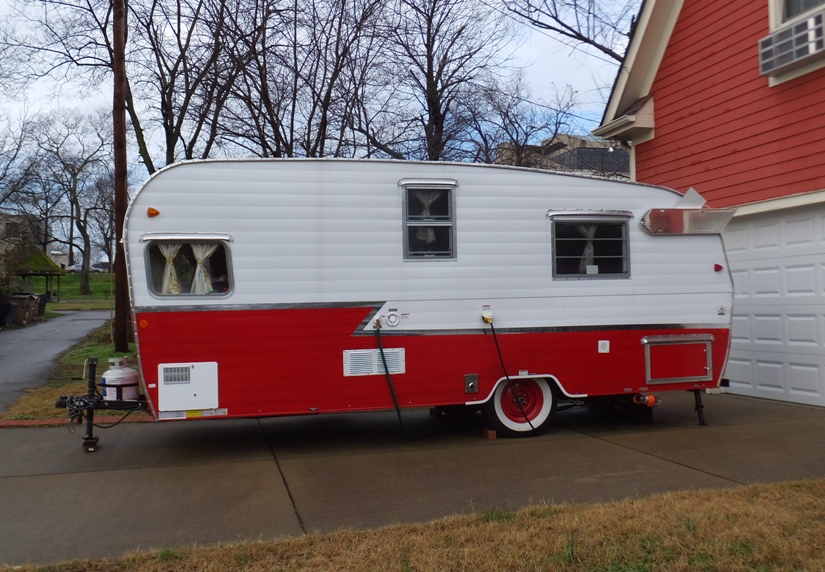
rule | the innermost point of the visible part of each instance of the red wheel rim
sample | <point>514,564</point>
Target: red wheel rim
<point>526,393</point>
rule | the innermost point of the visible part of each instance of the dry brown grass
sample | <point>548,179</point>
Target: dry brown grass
<point>760,527</point>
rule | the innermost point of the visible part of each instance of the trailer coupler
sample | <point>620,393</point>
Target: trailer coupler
<point>80,407</point>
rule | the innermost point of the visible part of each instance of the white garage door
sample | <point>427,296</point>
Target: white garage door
<point>778,265</point>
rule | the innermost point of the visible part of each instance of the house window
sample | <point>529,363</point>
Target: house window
<point>429,219</point>
<point>196,268</point>
<point>590,247</point>
<point>793,8</point>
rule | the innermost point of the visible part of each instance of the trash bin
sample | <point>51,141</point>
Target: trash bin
<point>7,312</point>
<point>26,309</point>
<point>41,303</point>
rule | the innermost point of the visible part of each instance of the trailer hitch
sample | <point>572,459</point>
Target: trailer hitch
<point>82,407</point>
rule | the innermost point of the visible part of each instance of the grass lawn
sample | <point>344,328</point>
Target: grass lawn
<point>101,298</point>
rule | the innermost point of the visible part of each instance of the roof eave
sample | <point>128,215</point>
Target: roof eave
<point>655,23</point>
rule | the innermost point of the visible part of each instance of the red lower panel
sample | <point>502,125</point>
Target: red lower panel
<point>290,361</point>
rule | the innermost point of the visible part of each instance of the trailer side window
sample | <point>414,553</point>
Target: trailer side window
<point>188,268</point>
<point>594,248</point>
<point>429,219</point>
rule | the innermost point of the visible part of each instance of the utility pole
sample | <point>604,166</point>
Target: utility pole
<point>121,325</point>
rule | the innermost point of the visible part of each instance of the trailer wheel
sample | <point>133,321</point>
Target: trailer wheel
<point>520,406</point>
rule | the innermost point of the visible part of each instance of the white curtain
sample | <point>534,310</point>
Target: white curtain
<point>202,284</point>
<point>170,277</point>
<point>426,234</point>
<point>589,232</point>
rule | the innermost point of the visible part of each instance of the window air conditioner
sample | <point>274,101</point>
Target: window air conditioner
<point>793,46</point>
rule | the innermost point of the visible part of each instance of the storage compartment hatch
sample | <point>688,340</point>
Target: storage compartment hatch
<point>678,359</point>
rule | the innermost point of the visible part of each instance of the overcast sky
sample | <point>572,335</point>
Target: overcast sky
<point>547,61</point>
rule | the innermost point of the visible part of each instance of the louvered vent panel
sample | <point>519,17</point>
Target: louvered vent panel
<point>793,46</point>
<point>368,362</point>
<point>177,374</point>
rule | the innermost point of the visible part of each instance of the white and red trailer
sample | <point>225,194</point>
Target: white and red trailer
<point>290,287</point>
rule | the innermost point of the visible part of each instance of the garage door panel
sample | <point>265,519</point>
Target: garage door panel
<point>804,330</point>
<point>783,332</point>
<point>772,375</point>
<point>797,279</point>
<point>777,261</point>
<point>804,379</point>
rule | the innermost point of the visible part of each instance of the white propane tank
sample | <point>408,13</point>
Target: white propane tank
<point>120,378</point>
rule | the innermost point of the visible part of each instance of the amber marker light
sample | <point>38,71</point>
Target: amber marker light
<point>144,323</point>
<point>152,212</point>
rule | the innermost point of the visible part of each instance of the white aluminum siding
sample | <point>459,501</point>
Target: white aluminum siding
<point>326,231</point>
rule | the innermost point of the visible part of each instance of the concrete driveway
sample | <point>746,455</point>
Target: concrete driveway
<point>27,354</point>
<point>165,485</point>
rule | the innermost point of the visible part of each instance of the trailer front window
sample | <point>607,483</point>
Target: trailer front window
<point>188,268</point>
<point>590,248</point>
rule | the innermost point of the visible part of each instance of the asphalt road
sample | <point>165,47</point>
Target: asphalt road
<point>172,484</point>
<point>27,354</point>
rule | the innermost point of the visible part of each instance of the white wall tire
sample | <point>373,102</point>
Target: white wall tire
<point>520,407</point>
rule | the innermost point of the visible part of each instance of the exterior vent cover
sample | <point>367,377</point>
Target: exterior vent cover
<point>793,46</point>
<point>368,362</point>
<point>176,374</point>
<point>187,386</point>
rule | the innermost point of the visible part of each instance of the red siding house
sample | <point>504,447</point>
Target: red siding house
<point>729,98</point>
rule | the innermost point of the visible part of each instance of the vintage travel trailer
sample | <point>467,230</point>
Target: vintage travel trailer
<point>290,287</point>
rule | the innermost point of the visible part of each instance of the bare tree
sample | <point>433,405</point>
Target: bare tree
<point>15,144</point>
<point>604,25</point>
<point>439,48</point>
<point>304,64</point>
<point>180,74</point>
<point>101,217</point>
<point>37,195</point>
<point>178,50</point>
<point>506,122</point>
<point>72,151</point>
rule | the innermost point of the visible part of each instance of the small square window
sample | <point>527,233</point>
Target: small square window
<point>188,268</point>
<point>429,221</point>
<point>590,249</point>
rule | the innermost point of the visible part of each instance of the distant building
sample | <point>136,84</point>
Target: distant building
<point>59,257</point>
<point>569,153</point>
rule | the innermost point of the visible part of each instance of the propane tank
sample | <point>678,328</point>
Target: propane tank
<point>120,382</point>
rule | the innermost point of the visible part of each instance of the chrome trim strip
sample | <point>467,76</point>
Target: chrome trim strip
<point>426,183</point>
<point>586,213</point>
<point>243,307</point>
<point>222,236</point>
<point>678,339</point>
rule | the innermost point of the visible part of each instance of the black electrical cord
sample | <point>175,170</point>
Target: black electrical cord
<point>78,404</point>
<point>119,421</point>
<point>389,378</point>
<point>401,427</point>
<point>509,381</point>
